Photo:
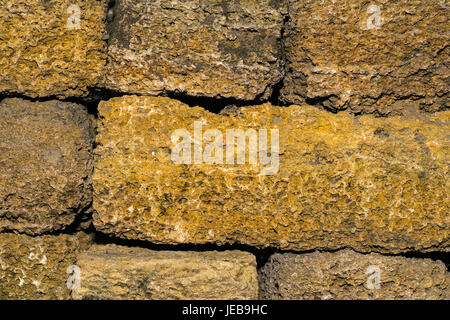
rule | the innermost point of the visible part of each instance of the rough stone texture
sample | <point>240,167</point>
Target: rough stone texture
<point>344,275</point>
<point>369,183</point>
<point>46,164</point>
<point>335,60</point>
<point>210,48</point>
<point>36,267</point>
<point>41,56</point>
<point>117,272</point>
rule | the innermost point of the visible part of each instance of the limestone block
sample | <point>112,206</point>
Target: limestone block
<point>52,47</point>
<point>385,57</point>
<point>118,272</point>
<point>46,164</point>
<point>201,48</point>
<point>372,184</point>
<point>349,275</point>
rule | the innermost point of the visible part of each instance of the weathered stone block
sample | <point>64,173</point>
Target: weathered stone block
<point>52,47</point>
<point>46,164</point>
<point>386,57</point>
<point>202,48</point>
<point>368,183</point>
<point>117,272</point>
<point>349,275</point>
<point>36,267</point>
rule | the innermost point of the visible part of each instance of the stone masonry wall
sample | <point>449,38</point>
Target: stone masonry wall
<point>240,149</point>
